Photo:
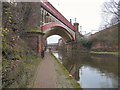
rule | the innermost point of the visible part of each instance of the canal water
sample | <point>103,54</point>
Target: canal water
<point>91,71</point>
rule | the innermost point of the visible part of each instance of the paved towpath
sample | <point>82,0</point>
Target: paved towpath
<point>46,76</point>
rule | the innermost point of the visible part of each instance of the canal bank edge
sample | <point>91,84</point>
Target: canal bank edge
<point>105,53</point>
<point>35,76</point>
<point>64,79</point>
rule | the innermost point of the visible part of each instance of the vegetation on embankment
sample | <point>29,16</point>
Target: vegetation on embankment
<point>64,79</point>
<point>19,64</point>
<point>103,41</point>
<point>19,61</point>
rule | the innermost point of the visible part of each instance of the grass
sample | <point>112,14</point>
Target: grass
<point>35,29</point>
<point>35,75</point>
<point>18,64</point>
<point>64,80</point>
<point>109,53</point>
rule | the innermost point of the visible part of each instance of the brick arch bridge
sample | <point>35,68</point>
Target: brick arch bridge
<point>57,29</point>
<point>50,22</point>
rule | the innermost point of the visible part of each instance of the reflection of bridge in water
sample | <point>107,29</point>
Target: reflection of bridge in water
<point>83,66</point>
<point>77,59</point>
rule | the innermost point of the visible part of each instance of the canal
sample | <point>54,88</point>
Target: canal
<point>91,71</point>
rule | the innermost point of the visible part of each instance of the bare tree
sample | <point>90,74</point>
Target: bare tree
<point>110,14</point>
<point>112,7</point>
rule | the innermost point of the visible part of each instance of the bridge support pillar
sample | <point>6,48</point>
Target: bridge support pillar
<point>40,44</point>
<point>68,48</point>
<point>35,41</point>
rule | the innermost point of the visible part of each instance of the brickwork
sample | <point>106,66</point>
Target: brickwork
<point>34,40</point>
<point>22,17</point>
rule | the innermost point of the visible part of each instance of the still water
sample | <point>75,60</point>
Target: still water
<point>91,71</point>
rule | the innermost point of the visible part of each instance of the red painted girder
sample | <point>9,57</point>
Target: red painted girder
<point>50,25</point>
<point>53,24</point>
<point>55,12</point>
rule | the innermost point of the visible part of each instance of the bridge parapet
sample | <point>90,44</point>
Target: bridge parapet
<point>51,10</point>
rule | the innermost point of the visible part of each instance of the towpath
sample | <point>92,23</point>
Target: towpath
<point>46,76</point>
<point>52,74</point>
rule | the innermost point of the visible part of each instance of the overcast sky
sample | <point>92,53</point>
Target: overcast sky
<point>86,12</point>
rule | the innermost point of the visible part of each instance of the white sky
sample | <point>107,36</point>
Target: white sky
<point>87,13</point>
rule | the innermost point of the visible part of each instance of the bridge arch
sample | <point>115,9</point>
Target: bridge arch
<point>57,29</point>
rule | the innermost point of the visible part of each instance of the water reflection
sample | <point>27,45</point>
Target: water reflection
<point>91,71</point>
<point>92,78</point>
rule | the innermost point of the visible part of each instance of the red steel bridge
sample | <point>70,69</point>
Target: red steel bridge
<point>51,22</point>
